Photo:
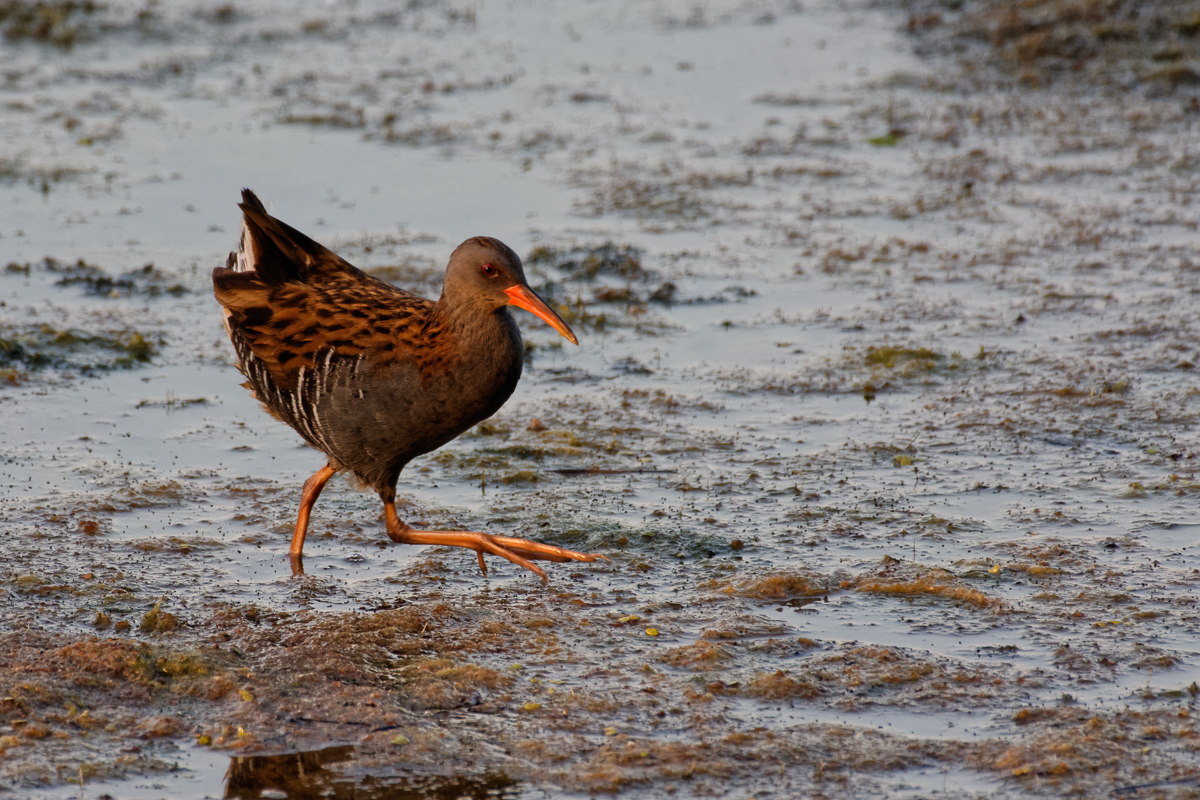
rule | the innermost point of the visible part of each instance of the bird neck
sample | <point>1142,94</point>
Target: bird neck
<point>485,332</point>
<point>485,359</point>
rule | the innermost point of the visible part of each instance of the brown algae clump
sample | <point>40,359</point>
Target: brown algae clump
<point>910,579</point>
<point>779,685</point>
<point>703,655</point>
<point>782,586</point>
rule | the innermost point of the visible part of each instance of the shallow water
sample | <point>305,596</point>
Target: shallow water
<point>867,372</point>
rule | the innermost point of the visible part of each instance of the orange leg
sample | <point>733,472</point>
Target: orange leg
<point>312,490</point>
<point>518,551</point>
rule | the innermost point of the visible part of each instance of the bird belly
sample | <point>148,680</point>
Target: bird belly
<point>373,424</point>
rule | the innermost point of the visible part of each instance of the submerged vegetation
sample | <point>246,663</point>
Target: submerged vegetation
<point>1046,41</point>
<point>45,346</point>
<point>57,22</point>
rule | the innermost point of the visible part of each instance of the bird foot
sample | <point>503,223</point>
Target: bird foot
<point>518,551</point>
<point>312,490</point>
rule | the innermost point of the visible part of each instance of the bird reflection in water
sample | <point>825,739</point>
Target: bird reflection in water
<point>304,776</point>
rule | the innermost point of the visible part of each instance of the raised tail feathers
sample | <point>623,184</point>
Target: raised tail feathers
<point>275,251</point>
<point>244,259</point>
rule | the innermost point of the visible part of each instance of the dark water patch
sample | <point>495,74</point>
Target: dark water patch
<point>1062,41</point>
<point>638,544</point>
<point>147,281</point>
<point>588,263</point>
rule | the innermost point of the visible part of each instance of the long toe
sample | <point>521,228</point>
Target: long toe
<point>545,552</point>
<point>518,551</point>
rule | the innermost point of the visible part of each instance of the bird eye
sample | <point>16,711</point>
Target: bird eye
<point>489,270</point>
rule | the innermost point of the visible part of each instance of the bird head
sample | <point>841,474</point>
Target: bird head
<point>486,271</point>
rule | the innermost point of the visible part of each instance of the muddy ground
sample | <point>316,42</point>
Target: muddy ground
<point>885,412</point>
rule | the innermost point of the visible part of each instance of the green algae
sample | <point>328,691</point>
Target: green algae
<point>892,356</point>
<point>72,349</point>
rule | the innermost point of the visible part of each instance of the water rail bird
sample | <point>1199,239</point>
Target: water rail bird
<point>373,375</point>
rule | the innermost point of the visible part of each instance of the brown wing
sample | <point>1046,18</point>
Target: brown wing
<point>292,325</point>
<point>289,301</point>
<point>309,367</point>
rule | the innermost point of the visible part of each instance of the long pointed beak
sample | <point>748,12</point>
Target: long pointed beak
<point>523,297</point>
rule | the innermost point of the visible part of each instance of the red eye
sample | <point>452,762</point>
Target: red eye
<point>489,270</point>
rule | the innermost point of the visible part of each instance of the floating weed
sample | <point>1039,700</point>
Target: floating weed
<point>523,476</point>
<point>680,543</point>
<point>147,281</point>
<point>343,116</point>
<point>587,263</point>
<point>558,268</point>
<point>47,346</point>
<point>56,22</point>
<point>778,586</point>
<point>699,656</point>
<point>904,578</point>
<point>663,200</point>
<point>889,139</point>
<point>577,315</point>
<point>622,294</point>
<point>158,621</point>
<point>890,357</point>
<point>519,451</point>
<point>780,685</point>
<point>410,275</point>
<point>13,170</point>
<point>490,429</point>
<point>1037,44</point>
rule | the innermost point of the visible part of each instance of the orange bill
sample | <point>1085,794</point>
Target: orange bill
<point>523,297</point>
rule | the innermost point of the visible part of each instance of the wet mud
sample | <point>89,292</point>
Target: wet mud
<point>884,414</point>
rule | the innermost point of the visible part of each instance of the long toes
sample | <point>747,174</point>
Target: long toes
<point>545,552</point>
<point>569,555</point>
<point>495,548</point>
